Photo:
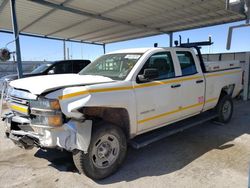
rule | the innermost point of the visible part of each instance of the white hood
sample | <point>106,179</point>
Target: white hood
<point>40,84</point>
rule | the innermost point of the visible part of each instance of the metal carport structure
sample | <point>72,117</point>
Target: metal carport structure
<point>102,22</point>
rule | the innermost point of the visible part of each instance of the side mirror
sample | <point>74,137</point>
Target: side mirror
<point>149,74</point>
<point>51,71</point>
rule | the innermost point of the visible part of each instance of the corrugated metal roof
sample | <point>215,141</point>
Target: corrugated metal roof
<point>107,21</point>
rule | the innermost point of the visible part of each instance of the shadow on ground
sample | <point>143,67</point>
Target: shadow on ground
<point>61,160</point>
<point>170,154</point>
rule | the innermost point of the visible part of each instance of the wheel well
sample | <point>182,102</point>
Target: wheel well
<point>116,116</point>
<point>227,90</point>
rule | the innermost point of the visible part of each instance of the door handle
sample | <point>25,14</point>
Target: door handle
<point>199,81</point>
<point>175,85</point>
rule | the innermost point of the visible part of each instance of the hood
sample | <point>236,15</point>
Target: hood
<point>40,84</point>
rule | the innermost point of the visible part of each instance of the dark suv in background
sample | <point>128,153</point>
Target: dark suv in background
<point>56,67</point>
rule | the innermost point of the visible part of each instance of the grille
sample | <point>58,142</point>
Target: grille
<point>18,101</point>
<point>19,106</point>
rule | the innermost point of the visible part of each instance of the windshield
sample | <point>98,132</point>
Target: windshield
<point>114,66</point>
<point>41,68</point>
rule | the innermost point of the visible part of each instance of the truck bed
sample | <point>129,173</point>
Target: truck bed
<point>213,66</point>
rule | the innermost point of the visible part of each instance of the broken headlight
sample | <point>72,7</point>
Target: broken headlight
<point>46,112</point>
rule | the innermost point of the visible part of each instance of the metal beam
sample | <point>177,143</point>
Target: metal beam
<point>97,16</point>
<point>16,34</point>
<point>89,19</point>
<point>52,38</point>
<point>43,16</point>
<point>68,27</point>
<point>132,38</point>
<point>115,33</point>
<point>119,36</point>
<point>93,32</point>
<point>3,4</point>
<point>38,19</point>
<point>230,33</point>
<point>177,13</point>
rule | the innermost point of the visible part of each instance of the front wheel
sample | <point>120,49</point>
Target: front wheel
<point>107,151</point>
<point>225,109</point>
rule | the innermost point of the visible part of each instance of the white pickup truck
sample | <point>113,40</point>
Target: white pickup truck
<point>118,97</point>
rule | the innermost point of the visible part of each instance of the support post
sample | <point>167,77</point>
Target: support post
<point>104,49</point>
<point>16,34</point>
<point>67,53</point>
<point>171,39</point>
<point>246,92</point>
<point>64,50</point>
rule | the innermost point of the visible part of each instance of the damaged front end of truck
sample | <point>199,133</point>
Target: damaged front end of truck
<point>34,120</point>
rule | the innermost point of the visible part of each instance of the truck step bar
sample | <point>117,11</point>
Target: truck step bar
<point>158,134</point>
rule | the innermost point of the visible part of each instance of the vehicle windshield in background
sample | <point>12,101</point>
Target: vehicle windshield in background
<point>114,66</point>
<point>41,68</point>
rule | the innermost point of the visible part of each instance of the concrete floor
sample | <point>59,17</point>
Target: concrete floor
<point>208,155</point>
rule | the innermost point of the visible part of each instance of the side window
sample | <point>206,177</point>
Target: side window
<point>78,66</point>
<point>187,63</point>
<point>163,62</point>
<point>62,68</point>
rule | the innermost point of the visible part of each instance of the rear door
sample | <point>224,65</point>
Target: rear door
<point>192,85</point>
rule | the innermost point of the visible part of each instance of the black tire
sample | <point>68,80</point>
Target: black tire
<point>85,163</point>
<point>225,102</point>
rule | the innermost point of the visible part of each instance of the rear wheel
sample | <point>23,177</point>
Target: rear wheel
<point>225,109</point>
<point>106,152</point>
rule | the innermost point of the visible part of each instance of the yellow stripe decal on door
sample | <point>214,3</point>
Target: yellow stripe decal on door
<point>175,111</point>
<point>155,83</point>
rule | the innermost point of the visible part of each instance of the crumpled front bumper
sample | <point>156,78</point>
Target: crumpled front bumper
<point>71,135</point>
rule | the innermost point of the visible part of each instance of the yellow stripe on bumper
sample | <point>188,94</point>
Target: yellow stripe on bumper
<point>19,108</point>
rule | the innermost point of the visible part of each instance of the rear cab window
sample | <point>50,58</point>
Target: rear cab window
<point>187,63</point>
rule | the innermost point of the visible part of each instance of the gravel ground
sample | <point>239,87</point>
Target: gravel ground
<point>208,155</point>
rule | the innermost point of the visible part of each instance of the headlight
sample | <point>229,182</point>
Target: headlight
<point>46,111</point>
<point>53,121</point>
<point>46,104</point>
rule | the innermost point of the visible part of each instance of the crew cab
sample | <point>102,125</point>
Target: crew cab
<point>116,98</point>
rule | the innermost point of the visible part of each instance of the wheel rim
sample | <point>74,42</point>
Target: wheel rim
<point>105,151</point>
<point>226,110</point>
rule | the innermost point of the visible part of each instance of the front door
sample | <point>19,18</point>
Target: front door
<point>158,100</point>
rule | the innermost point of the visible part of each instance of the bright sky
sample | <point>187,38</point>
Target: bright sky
<point>37,49</point>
